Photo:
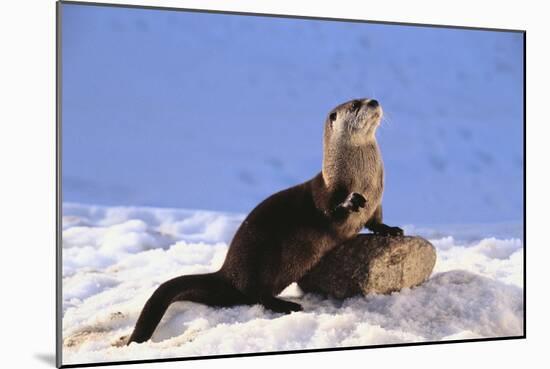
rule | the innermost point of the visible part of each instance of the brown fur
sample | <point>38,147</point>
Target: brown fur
<point>289,232</point>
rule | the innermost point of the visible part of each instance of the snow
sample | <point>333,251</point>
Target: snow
<point>114,258</point>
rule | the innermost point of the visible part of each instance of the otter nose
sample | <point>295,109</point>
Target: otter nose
<point>373,104</point>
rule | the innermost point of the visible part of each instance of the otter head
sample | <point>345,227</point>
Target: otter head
<point>353,123</point>
<point>349,135</point>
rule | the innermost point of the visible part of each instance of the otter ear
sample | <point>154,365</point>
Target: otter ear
<point>332,117</point>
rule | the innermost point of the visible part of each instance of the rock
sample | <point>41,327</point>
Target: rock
<point>371,264</point>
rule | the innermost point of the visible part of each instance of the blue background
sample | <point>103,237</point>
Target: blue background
<point>216,111</point>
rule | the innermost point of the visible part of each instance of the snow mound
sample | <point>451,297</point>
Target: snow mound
<point>114,258</point>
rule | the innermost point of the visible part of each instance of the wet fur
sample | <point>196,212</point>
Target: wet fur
<point>290,231</point>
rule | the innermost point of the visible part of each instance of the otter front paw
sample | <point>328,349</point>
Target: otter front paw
<point>354,201</point>
<point>389,231</point>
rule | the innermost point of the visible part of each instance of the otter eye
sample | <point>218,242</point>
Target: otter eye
<point>332,116</point>
<point>356,104</point>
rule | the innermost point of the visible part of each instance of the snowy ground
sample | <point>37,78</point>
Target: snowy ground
<point>114,257</point>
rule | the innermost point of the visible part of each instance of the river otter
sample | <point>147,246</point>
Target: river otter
<point>289,232</point>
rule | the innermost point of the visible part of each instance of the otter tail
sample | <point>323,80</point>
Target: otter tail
<point>209,289</point>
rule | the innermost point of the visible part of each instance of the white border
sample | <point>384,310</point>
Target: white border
<point>449,13</point>
<point>27,81</point>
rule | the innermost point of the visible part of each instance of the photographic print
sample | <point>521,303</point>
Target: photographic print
<point>239,184</point>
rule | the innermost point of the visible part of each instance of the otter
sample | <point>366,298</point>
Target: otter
<point>289,232</point>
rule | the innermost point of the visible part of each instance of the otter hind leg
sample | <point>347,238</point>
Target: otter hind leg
<point>280,306</point>
<point>207,289</point>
